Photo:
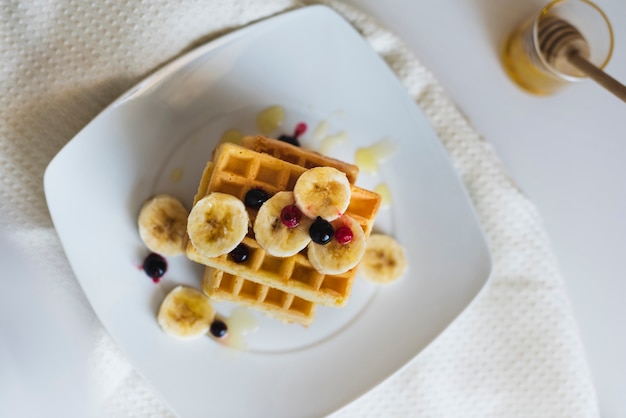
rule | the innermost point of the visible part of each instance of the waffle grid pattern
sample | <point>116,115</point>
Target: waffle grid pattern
<point>237,170</point>
<point>298,156</point>
<point>285,306</point>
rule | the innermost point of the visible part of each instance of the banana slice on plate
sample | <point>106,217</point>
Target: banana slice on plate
<point>161,222</point>
<point>217,224</point>
<point>185,313</point>
<point>324,192</point>
<point>341,253</point>
<point>276,229</point>
<point>384,260</point>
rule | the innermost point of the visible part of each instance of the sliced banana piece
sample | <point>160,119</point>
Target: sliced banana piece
<point>384,260</point>
<point>161,222</point>
<point>273,235</point>
<point>324,192</point>
<point>185,313</point>
<point>335,257</point>
<point>217,224</point>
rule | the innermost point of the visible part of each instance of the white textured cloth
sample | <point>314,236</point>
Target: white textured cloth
<point>514,353</point>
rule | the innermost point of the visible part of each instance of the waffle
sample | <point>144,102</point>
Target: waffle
<point>203,188</point>
<point>236,170</point>
<point>298,156</point>
<point>278,304</point>
<point>219,285</point>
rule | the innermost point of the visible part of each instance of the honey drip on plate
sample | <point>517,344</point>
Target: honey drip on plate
<point>269,119</point>
<point>385,194</point>
<point>331,142</point>
<point>369,158</point>
<point>320,131</point>
<point>176,174</point>
<point>233,136</point>
<point>240,323</point>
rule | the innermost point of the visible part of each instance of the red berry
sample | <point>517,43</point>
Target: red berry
<point>343,235</point>
<point>300,129</point>
<point>290,216</point>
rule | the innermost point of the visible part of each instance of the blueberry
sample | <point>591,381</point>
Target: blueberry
<point>155,266</point>
<point>255,198</point>
<point>218,328</point>
<point>240,253</point>
<point>289,139</point>
<point>321,231</point>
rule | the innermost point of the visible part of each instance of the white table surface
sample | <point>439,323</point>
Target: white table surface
<point>566,152</point>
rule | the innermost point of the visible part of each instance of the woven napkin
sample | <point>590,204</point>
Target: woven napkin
<point>515,352</point>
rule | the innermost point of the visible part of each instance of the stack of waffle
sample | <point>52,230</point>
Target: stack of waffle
<point>287,288</point>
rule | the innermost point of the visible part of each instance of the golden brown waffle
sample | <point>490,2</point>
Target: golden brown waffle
<point>298,156</point>
<point>204,183</point>
<point>235,171</point>
<point>278,304</point>
<point>219,285</point>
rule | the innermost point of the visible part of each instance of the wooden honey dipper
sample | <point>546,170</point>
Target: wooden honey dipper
<point>565,49</point>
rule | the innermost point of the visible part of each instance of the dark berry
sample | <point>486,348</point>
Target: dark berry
<point>218,329</point>
<point>343,235</point>
<point>321,231</point>
<point>289,139</point>
<point>240,253</point>
<point>155,266</point>
<point>293,139</point>
<point>255,198</point>
<point>290,216</point>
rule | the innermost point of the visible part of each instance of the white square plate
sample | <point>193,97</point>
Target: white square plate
<point>158,137</point>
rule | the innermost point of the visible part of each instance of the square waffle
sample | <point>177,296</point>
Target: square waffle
<point>220,285</point>
<point>298,156</point>
<point>276,303</point>
<point>235,170</point>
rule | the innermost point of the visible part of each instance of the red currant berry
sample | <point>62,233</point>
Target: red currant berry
<point>290,216</point>
<point>300,129</point>
<point>343,235</point>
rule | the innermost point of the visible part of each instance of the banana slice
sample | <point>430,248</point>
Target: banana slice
<point>322,191</point>
<point>185,313</point>
<point>162,221</point>
<point>273,235</point>
<point>217,224</point>
<point>335,257</point>
<point>384,260</point>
